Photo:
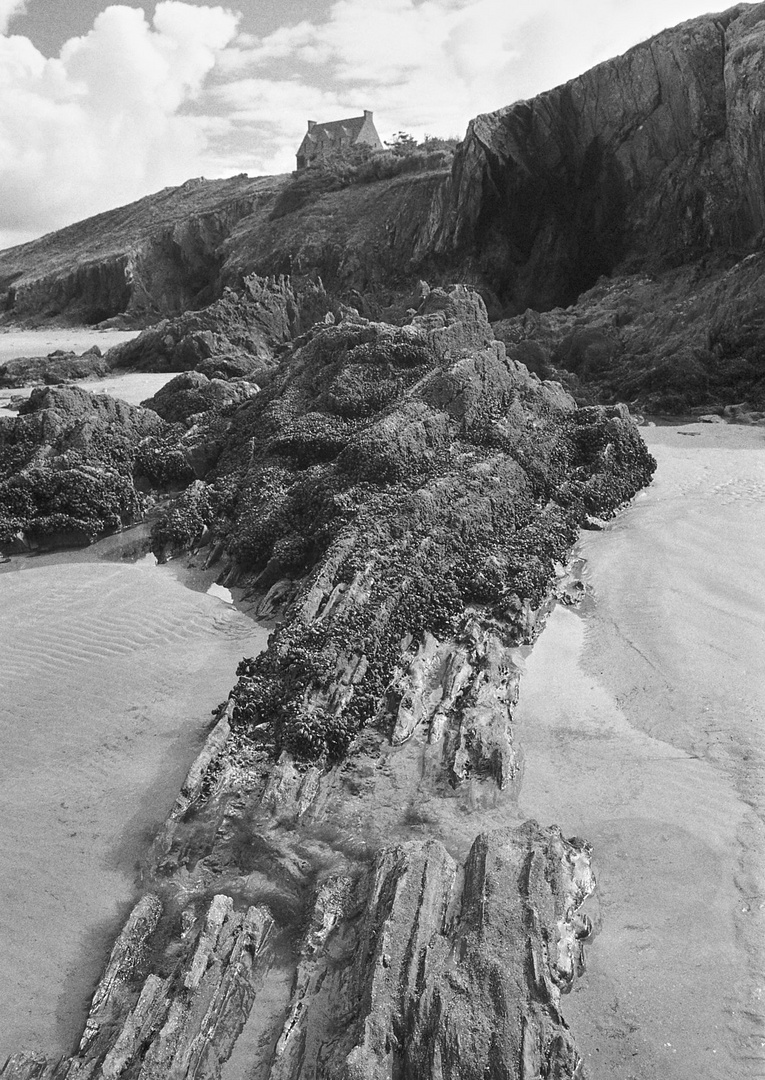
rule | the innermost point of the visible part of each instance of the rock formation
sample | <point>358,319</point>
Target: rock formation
<point>689,340</point>
<point>647,161</point>
<point>158,256</point>
<point>69,462</point>
<point>236,335</point>
<point>413,967</point>
<point>55,368</point>
<point>344,888</point>
<point>319,903</point>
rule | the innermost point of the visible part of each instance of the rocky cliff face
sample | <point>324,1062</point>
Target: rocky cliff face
<point>158,256</point>
<point>648,161</point>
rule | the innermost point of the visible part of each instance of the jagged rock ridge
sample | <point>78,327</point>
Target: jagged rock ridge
<point>403,497</point>
<point>158,256</point>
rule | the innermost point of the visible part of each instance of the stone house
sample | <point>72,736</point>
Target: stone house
<point>323,140</point>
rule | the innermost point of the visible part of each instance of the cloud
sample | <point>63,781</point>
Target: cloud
<point>429,66</point>
<point>133,105</point>
<point>9,8</point>
<point>109,119</point>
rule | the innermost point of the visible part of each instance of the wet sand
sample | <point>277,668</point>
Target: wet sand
<point>133,387</point>
<point>109,674</point>
<point>15,343</point>
<point>642,727</point>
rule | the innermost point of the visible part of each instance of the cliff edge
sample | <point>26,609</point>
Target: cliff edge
<point>648,161</point>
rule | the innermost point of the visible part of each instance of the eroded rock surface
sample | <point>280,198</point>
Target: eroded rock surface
<point>414,966</point>
<point>235,336</point>
<point>56,367</point>
<point>402,499</point>
<point>66,466</point>
<point>646,162</point>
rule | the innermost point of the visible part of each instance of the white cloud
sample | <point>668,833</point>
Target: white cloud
<point>132,106</point>
<point>7,9</point>
<point>104,122</point>
<point>431,65</point>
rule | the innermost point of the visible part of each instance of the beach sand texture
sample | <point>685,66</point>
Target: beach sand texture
<point>133,387</point>
<point>109,673</point>
<point>14,343</point>
<point>642,726</point>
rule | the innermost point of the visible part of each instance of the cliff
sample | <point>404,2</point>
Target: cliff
<point>160,255</point>
<point>649,161</point>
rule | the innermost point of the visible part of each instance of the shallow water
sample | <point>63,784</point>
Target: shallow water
<point>642,726</point>
<point>109,674</point>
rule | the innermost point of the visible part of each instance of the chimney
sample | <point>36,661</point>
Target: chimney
<point>367,114</point>
<point>311,124</point>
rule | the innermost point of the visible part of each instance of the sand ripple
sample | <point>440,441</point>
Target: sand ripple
<point>108,676</point>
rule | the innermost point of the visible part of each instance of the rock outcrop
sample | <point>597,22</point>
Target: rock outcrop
<point>190,394</point>
<point>55,368</point>
<point>236,335</point>
<point>689,340</point>
<point>415,967</point>
<point>647,161</point>
<point>72,465</point>
<point>344,887</point>
<point>158,256</point>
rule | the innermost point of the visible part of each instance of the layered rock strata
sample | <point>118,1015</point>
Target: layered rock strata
<point>331,896</point>
<point>688,340</point>
<point>235,336</point>
<point>158,256</point>
<point>416,967</point>
<point>648,160</point>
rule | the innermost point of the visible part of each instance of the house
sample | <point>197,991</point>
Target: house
<point>323,140</point>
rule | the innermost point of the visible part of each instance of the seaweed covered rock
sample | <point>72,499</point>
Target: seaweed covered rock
<point>405,498</point>
<point>68,462</point>
<point>235,336</point>
<point>55,368</point>
<point>400,481</point>
<point>191,392</point>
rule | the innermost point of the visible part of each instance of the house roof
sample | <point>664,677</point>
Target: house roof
<point>333,131</point>
<point>350,127</point>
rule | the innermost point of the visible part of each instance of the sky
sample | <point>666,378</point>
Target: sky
<point>102,103</point>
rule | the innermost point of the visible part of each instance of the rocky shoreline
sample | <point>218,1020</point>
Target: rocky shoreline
<point>345,887</point>
<point>403,499</point>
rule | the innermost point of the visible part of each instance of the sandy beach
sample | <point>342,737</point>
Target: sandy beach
<point>640,722</point>
<point>14,343</point>
<point>133,387</point>
<point>642,726</point>
<point>109,674</point>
